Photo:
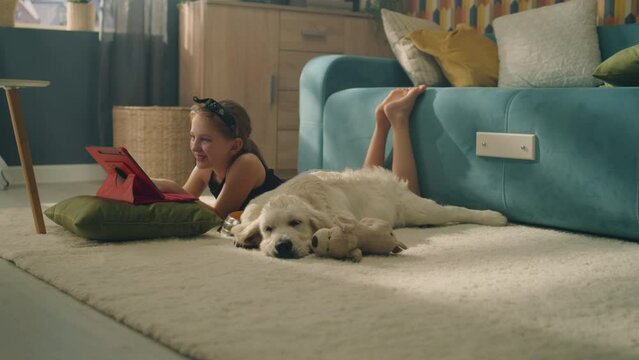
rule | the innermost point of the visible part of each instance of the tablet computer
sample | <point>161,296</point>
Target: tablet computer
<point>118,161</point>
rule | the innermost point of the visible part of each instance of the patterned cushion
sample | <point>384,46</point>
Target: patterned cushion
<point>553,46</point>
<point>421,68</point>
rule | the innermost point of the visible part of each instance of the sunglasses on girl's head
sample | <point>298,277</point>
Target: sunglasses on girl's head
<point>216,108</point>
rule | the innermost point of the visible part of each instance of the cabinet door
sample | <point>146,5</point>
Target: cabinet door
<point>241,60</point>
<point>291,65</point>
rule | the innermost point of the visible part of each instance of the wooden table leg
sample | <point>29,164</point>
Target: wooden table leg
<point>24,151</point>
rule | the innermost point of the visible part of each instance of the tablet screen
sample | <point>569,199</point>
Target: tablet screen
<point>119,161</point>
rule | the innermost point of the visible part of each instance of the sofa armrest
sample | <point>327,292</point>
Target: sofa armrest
<point>326,75</point>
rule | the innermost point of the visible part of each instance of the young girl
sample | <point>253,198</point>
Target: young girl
<point>227,161</point>
<point>394,112</point>
<point>230,164</point>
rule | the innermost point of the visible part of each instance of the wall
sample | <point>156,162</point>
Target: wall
<point>480,13</point>
<point>60,119</point>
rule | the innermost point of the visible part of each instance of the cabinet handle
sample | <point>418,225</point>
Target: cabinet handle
<point>314,33</point>
<point>272,90</point>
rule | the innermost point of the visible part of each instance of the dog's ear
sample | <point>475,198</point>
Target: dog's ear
<point>251,213</point>
<point>319,220</point>
<point>247,234</point>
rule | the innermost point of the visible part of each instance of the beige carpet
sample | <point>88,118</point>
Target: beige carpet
<point>459,292</point>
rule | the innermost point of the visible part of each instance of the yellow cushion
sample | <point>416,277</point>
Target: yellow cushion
<point>466,57</point>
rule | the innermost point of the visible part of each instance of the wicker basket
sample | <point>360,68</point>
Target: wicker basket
<point>157,137</point>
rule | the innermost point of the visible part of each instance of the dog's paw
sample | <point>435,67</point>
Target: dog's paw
<point>251,242</point>
<point>492,218</point>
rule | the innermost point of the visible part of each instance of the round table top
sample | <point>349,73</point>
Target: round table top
<point>17,83</point>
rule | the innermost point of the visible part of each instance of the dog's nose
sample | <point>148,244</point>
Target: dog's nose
<point>283,248</point>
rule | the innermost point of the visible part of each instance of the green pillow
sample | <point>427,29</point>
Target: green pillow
<point>621,69</point>
<point>103,219</point>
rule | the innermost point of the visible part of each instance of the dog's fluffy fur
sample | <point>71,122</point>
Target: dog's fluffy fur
<point>310,201</point>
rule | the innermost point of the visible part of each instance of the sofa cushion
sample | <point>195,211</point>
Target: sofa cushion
<point>622,69</point>
<point>109,220</point>
<point>584,177</point>
<point>614,38</point>
<point>421,68</point>
<point>443,139</point>
<point>466,57</point>
<point>327,74</point>
<point>348,129</point>
<point>552,46</point>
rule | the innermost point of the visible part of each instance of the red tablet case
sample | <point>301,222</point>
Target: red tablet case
<point>126,181</point>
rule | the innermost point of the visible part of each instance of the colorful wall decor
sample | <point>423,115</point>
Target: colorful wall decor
<point>480,14</point>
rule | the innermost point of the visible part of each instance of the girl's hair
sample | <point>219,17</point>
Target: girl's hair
<point>241,129</point>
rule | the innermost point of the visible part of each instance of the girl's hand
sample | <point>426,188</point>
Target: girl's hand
<point>169,186</point>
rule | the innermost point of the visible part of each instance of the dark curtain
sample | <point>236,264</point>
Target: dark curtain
<point>138,57</point>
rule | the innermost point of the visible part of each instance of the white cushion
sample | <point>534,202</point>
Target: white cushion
<point>552,46</point>
<point>421,68</point>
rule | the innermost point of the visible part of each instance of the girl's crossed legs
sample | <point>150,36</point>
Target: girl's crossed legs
<point>394,112</point>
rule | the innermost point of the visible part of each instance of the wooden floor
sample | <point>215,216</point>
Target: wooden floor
<point>38,321</point>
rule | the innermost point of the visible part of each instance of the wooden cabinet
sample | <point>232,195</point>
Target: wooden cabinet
<point>311,32</point>
<point>254,54</point>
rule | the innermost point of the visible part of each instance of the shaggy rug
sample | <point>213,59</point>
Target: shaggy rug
<point>458,292</point>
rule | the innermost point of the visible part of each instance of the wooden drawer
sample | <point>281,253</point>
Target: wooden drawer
<point>288,110</point>
<point>287,141</point>
<point>291,65</point>
<point>311,32</point>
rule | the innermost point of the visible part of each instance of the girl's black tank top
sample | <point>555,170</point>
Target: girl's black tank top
<point>271,181</point>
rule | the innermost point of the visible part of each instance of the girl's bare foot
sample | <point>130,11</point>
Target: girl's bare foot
<point>398,105</point>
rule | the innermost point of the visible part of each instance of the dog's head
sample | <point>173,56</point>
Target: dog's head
<point>284,227</point>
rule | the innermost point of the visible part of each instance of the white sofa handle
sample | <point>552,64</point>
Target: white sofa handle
<point>504,145</point>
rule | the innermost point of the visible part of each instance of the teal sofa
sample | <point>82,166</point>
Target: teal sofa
<point>585,175</point>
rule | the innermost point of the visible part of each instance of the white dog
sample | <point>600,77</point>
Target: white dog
<point>281,222</point>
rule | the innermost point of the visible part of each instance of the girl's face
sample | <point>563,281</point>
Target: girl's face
<point>210,148</point>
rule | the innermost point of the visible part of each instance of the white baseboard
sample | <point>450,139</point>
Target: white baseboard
<point>57,173</point>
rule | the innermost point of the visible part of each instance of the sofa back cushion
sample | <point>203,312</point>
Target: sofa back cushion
<point>614,38</point>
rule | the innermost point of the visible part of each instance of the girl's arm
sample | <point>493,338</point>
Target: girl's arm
<point>195,185</point>
<point>246,173</point>
<point>169,186</point>
<point>198,181</point>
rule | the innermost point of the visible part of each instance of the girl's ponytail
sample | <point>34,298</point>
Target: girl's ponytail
<point>251,147</point>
